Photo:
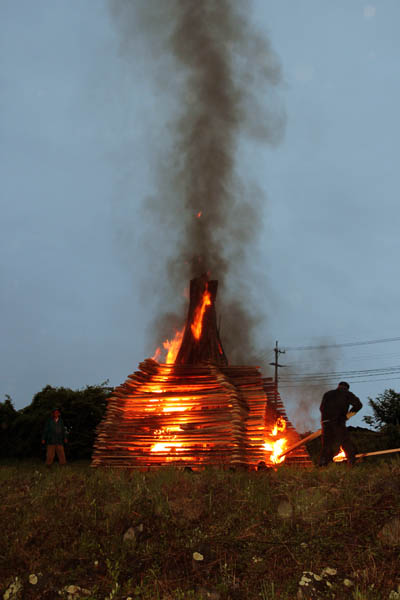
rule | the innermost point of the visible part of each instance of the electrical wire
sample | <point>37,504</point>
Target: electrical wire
<point>381,371</point>
<point>328,382</point>
<point>301,378</point>
<point>345,345</point>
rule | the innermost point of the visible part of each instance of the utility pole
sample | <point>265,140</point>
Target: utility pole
<point>275,364</point>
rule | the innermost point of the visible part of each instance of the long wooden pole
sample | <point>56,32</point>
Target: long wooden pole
<point>342,458</point>
<point>377,452</point>
<point>310,437</point>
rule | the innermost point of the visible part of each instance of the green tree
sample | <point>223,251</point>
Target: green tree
<point>7,416</point>
<point>386,415</point>
<point>386,410</point>
<point>81,411</point>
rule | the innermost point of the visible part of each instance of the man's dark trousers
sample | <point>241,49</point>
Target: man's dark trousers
<point>335,434</point>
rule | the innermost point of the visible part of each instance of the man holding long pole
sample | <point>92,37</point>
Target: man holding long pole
<point>336,406</point>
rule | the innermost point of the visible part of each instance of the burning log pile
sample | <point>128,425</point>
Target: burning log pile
<point>192,415</point>
<point>197,410</point>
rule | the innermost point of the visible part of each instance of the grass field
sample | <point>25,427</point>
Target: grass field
<point>215,534</point>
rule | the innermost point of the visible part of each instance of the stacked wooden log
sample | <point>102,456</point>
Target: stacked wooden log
<point>239,414</point>
<point>187,415</point>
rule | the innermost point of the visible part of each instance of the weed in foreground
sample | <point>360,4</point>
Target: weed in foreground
<point>257,533</point>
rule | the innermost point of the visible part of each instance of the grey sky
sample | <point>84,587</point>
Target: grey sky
<point>83,134</point>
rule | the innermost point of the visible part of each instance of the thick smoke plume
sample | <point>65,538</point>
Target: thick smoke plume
<point>225,75</point>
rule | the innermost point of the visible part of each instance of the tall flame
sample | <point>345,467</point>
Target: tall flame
<point>173,346</point>
<point>197,324</point>
<point>276,446</point>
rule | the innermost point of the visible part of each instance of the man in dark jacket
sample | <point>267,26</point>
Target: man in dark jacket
<point>54,436</point>
<point>335,408</point>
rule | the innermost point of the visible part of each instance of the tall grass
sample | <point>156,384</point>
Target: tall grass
<point>254,533</point>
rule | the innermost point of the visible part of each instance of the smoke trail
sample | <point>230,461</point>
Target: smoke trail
<point>223,68</point>
<point>209,35</point>
<point>303,392</point>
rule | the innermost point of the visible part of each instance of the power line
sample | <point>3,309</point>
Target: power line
<point>297,379</point>
<point>380,371</point>
<point>373,380</point>
<point>356,376</point>
<point>345,345</point>
<point>294,385</point>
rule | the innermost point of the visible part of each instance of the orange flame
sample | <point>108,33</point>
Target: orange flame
<point>280,425</point>
<point>173,346</point>
<point>340,456</point>
<point>277,446</point>
<point>199,214</point>
<point>197,324</point>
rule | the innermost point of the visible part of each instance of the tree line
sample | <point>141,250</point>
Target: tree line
<point>82,410</point>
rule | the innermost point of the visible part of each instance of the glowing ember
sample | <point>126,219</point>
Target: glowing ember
<point>179,404</point>
<point>340,456</point>
<point>167,441</point>
<point>276,446</point>
<point>197,324</point>
<point>165,446</point>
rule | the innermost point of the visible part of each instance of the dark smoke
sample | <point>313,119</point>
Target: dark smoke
<point>303,390</point>
<point>225,76</point>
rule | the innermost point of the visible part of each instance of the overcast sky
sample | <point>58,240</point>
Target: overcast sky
<point>82,135</point>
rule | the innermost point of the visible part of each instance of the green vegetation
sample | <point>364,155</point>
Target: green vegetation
<point>82,410</point>
<point>178,535</point>
<point>386,416</point>
<point>386,409</point>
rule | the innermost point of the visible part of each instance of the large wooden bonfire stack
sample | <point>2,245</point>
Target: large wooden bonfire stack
<point>196,411</point>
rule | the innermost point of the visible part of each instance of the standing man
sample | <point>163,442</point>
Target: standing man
<point>334,409</point>
<point>54,436</point>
